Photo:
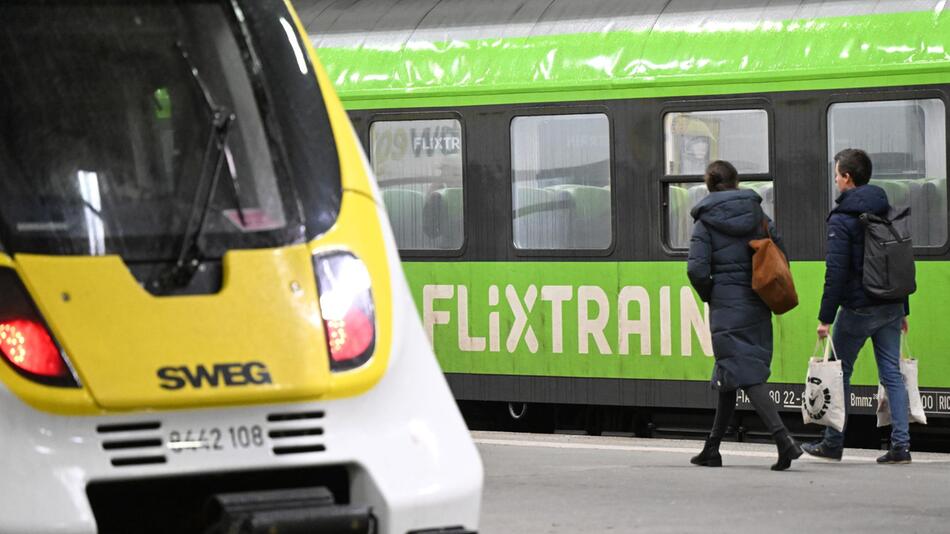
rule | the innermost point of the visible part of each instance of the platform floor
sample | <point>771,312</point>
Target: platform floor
<point>536,483</point>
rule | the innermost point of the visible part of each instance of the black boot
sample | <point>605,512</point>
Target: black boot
<point>788,450</point>
<point>709,456</point>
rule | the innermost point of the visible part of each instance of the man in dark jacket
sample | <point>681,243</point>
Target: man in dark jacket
<point>857,315</point>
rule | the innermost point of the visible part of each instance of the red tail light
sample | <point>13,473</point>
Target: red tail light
<point>347,306</point>
<point>25,343</point>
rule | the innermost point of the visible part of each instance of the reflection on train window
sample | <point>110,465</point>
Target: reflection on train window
<point>695,139</point>
<point>907,143</point>
<point>418,165</point>
<point>560,190</point>
<point>684,195</point>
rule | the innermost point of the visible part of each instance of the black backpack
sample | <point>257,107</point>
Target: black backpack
<point>889,271</point>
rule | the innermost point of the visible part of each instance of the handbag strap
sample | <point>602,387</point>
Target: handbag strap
<point>765,226</point>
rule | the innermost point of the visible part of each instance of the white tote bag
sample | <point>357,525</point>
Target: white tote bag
<point>909,373</point>
<point>823,399</point>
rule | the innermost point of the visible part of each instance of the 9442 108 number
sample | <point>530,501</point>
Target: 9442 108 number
<point>216,438</point>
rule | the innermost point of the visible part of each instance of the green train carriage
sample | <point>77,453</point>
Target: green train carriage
<point>538,161</point>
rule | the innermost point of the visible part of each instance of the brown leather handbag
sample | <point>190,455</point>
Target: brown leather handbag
<point>771,277</point>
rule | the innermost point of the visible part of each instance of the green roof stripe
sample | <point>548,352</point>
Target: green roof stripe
<point>859,51</point>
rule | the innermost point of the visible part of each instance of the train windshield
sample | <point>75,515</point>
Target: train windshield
<point>132,128</point>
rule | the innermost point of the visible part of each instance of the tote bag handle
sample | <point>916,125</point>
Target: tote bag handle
<point>829,349</point>
<point>905,347</point>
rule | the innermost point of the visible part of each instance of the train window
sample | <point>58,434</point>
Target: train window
<point>560,189</point>
<point>695,139</point>
<point>907,143</point>
<point>117,156</point>
<point>418,164</point>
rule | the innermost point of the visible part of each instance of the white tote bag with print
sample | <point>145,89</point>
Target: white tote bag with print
<point>909,374</point>
<point>823,399</point>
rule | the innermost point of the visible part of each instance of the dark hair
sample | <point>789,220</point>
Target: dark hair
<point>856,163</point>
<point>721,176</point>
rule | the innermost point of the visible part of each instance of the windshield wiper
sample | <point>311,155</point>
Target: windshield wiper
<point>215,155</point>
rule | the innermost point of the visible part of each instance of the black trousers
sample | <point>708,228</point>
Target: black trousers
<point>763,405</point>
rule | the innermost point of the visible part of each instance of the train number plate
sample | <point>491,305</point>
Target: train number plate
<point>216,439</point>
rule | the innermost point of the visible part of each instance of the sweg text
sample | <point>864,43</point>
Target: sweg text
<point>227,374</point>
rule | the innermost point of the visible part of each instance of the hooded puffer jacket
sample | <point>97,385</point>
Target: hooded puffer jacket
<point>844,260</point>
<point>720,269</point>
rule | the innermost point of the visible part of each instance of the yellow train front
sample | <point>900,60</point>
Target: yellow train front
<point>204,325</point>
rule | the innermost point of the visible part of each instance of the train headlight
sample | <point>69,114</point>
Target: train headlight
<point>25,342</point>
<point>346,302</point>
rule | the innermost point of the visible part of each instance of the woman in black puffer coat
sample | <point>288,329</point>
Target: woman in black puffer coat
<point>720,269</point>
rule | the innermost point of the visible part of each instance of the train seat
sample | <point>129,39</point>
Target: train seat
<point>590,226</point>
<point>405,208</point>
<point>443,217</point>
<point>766,190</point>
<point>919,212</point>
<point>541,218</point>
<point>898,194</point>
<point>679,218</point>
<point>934,191</point>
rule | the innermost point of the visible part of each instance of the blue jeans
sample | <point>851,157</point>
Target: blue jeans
<point>882,324</point>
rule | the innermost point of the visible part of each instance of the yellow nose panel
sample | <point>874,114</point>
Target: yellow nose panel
<point>260,339</point>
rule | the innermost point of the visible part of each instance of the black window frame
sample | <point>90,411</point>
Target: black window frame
<point>873,95</point>
<point>406,116</point>
<point>558,110</point>
<point>665,180</point>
